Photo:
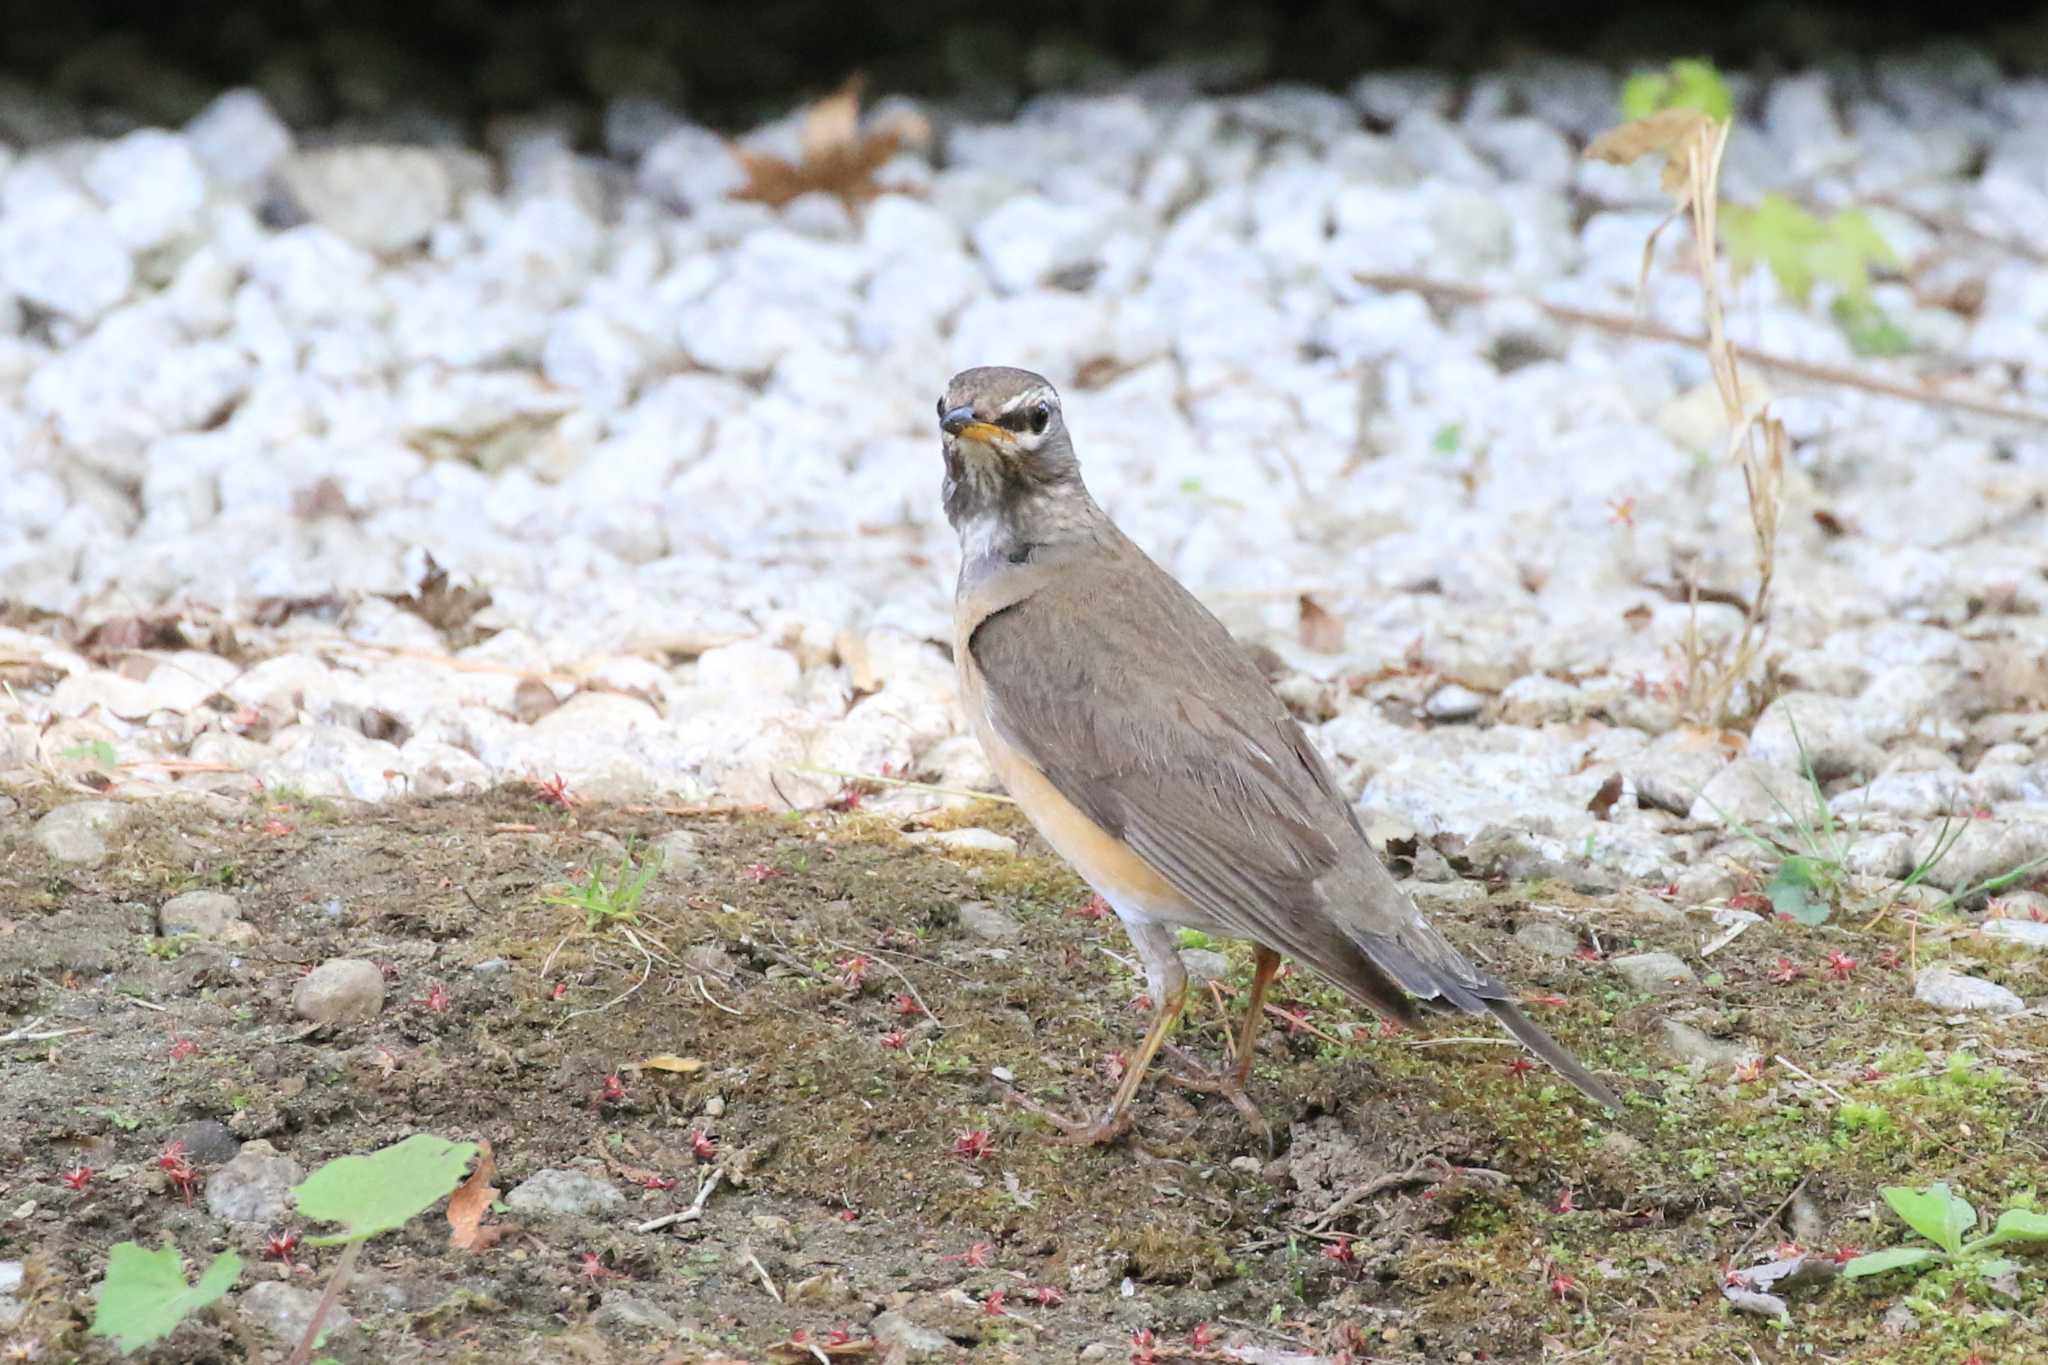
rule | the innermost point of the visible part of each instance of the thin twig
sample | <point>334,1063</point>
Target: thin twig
<point>705,991</point>
<point>1807,1076</point>
<point>762,1271</point>
<point>1783,1204</point>
<point>26,1033</point>
<point>690,1214</point>
<point>1623,325</point>
<point>897,972</point>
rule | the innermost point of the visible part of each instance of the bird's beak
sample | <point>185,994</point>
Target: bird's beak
<point>961,422</point>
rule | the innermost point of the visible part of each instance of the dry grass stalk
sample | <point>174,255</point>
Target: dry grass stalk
<point>1692,145</point>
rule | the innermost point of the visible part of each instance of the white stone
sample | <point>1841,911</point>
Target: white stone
<point>691,168</point>
<point>382,199</point>
<point>1944,988</point>
<point>239,138</point>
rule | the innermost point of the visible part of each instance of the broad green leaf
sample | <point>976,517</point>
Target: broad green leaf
<point>1995,1266</point>
<point>1877,1262</point>
<point>1777,234</point>
<point>1685,84</point>
<point>1939,1216</point>
<point>2018,1225</point>
<point>144,1296</point>
<point>384,1190</point>
<point>1795,891</point>
<point>1447,437</point>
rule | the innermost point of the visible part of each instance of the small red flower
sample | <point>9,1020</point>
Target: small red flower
<point>978,1256</point>
<point>78,1177</point>
<point>1340,1251</point>
<point>281,1247</point>
<point>177,1169</point>
<point>854,969</point>
<point>591,1267</point>
<point>182,1048</point>
<point>761,872</point>
<point>1749,1069</point>
<point>702,1145</point>
<point>1840,965</point>
<point>1563,1286</point>
<point>554,792</point>
<point>1520,1067</point>
<point>906,1005</point>
<point>436,999</point>
<point>1095,907</point>
<point>614,1088</point>
<point>896,1040</point>
<point>1786,972</point>
<point>1045,1296</point>
<point>993,1304</point>
<point>974,1145</point>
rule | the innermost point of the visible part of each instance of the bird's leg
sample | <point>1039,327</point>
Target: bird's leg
<point>1231,1084</point>
<point>1168,982</point>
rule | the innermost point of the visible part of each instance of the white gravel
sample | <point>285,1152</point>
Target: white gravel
<point>252,383</point>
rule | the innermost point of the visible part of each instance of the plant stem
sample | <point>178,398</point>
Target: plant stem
<point>328,1298</point>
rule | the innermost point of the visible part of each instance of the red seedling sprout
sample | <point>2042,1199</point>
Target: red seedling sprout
<point>1786,972</point>
<point>1519,1067</point>
<point>1143,1346</point>
<point>854,970</point>
<point>760,872</point>
<point>906,1005</point>
<point>554,792</point>
<point>1202,1337</point>
<point>614,1091</point>
<point>896,1040</point>
<point>975,1145</point>
<point>78,1177</point>
<point>658,1182</point>
<point>702,1145</point>
<point>1840,965</point>
<point>978,1256</point>
<point>1095,907</point>
<point>281,1247</point>
<point>1564,1202</point>
<point>1046,1296</point>
<point>436,999</point>
<point>993,1304</point>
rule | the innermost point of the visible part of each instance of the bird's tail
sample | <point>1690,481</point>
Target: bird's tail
<point>1553,1052</point>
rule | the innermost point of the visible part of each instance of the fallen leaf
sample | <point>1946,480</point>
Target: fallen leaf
<point>1664,131</point>
<point>1319,630</point>
<point>447,607</point>
<point>836,157</point>
<point>471,1200</point>
<point>1604,799</point>
<point>668,1061</point>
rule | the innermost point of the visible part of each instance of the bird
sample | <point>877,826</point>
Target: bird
<point>1147,748</point>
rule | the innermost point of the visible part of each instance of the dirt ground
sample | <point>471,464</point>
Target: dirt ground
<point>859,1033</point>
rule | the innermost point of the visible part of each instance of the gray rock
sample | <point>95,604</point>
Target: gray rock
<point>1548,937</point>
<point>383,199</point>
<point>678,853</point>
<point>492,967</point>
<point>1989,848</point>
<point>1204,965</point>
<point>255,1187</point>
<point>285,1311</point>
<point>631,1315</point>
<point>209,1142</point>
<point>2030,933</point>
<point>906,1341</point>
<point>239,138</point>
<point>1689,1044</point>
<point>564,1193</point>
<point>209,914</point>
<point>76,833</point>
<point>969,840</point>
<point>1655,973</point>
<point>1944,988</point>
<point>1673,769</point>
<point>345,990</point>
<point>1827,729</point>
<point>1752,792</point>
<point>985,921</point>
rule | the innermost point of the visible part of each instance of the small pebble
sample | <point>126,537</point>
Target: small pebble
<point>341,991</point>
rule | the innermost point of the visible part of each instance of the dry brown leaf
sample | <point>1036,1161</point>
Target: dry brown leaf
<point>1604,799</point>
<point>836,157</point>
<point>668,1061</point>
<point>1660,132</point>
<point>1318,628</point>
<point>470,1202</point>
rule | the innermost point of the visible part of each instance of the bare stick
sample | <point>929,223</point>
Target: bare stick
<point>1810,1078</point>
<point>1623,325</point>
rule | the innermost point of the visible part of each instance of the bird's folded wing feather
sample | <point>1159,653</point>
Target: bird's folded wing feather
<point>1147,716</point>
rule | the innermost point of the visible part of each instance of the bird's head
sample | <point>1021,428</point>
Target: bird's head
<point>1004,440</point>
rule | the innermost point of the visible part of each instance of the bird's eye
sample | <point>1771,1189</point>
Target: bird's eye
<point>1040,415</point>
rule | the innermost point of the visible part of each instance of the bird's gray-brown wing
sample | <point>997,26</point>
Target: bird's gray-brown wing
<point>1139,707</point>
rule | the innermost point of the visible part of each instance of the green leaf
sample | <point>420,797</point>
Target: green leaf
<point>384,1190</point>
<point>1778,234</point>
<point>1869,329</point>
<point>1795,891</point>
<point>1877,1262</point>
<point>144,1296</point>
<point>1445,442</point>
<point>1939,1216</point>
<point>2018,1225</point>
<point>1688,83</point>
<point>98,750</point>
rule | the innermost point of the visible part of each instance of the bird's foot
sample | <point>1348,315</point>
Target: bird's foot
<point>1082,1131</point>
<point>1228,1083</point>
